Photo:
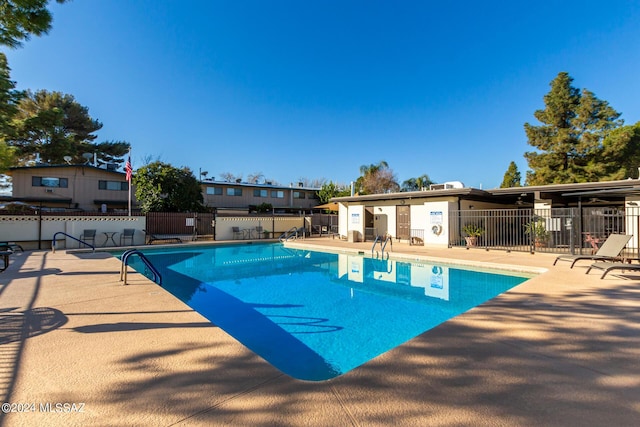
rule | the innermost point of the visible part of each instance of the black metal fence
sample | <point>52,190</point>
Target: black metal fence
<point>557,230</point>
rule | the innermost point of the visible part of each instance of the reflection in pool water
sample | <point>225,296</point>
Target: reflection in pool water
<point>317,315</point>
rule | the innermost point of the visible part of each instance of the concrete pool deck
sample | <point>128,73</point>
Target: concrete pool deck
<point>561,349</point>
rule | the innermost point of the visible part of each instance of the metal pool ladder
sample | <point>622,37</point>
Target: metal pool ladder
<point>157,278</point>
<point>383,244</point>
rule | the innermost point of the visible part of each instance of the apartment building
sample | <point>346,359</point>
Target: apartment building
<point>81,187</point>
<point>90,188</point>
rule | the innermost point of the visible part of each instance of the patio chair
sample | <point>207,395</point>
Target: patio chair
<point>11,245</point>
<point>5,258</point>
<point>609,251</point>
<point>610,266</point>
<point>237,232</point>
<point>89,236</point>
<point>127,233</point>
<point>259,231</point>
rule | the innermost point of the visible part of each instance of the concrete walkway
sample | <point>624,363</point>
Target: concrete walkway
<point>562,349</point>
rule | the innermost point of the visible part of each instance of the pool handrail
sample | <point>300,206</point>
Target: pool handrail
<point>53,243</point>
<point>292,232</point>
<point>373,247</point>
<point>387,240</point>
<point>157,277</point>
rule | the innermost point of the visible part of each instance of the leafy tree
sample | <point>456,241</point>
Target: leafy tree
<point>512,177</point>
<point>161,187</point>
<point>19,19</point>
<point>330,190</point>
<point>54,125</point>
<point>376,179</point>
<point>569,140</point>
<point>417,184</point>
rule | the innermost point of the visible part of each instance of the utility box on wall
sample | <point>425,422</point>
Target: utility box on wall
<point>353,236</point>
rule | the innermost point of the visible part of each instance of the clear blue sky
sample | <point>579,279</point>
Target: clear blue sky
<point>315,89</point>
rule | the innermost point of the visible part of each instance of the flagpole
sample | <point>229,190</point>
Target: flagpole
<point>129,171</point>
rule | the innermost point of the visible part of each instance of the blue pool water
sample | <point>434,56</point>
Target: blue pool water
<point>317,315</point>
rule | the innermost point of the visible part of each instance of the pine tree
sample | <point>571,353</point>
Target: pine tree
<point>20,19</point>
<point>569,141</point>
<point>621,153</point>
<point>512,177</point>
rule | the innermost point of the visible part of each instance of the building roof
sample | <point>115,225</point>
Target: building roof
<point>459,192</point>
<point>557,192</point>
<point>257,185</point>
<point>46,166</point>
<point>623,185</point>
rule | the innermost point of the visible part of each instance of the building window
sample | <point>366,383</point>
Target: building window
<point>277,194</point>
<point>113,185</point>
<point>298,195</point>
<point>39,181</point>
<point>234,191</point>
<point>260,193</point>
<point>215,191</point>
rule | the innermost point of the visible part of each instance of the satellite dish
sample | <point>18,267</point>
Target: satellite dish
<point>67,159</point>
<point>87,156</point>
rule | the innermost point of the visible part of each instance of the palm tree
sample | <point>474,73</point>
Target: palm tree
<point>417,184</point>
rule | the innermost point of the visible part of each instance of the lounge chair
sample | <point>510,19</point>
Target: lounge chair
<point>609,251</point>
<point>610,266</point>
<point>155,237</point>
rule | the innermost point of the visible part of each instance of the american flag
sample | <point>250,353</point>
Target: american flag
<point>127,168</point>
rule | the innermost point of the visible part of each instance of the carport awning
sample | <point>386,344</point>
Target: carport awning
<point>615,192</point>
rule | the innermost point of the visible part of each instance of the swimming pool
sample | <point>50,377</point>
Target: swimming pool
<point>316,315</point>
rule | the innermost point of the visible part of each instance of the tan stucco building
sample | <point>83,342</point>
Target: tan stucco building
<point>90,188</point>
<point>82,187</point>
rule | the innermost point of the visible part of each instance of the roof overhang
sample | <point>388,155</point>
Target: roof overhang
<point>570,189</point>
<point>38,199</point>
<point>452,192</point>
